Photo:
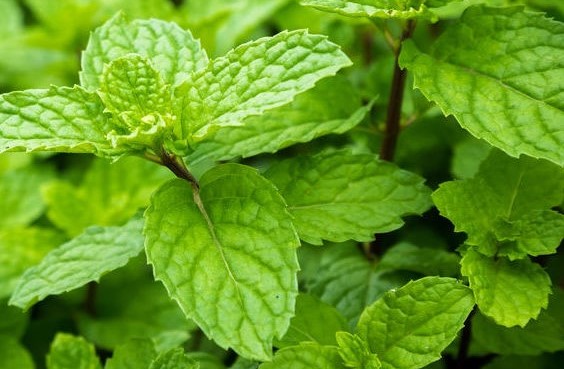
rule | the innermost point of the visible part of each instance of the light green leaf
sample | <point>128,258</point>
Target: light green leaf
<point>13,355</point>
<point>12,18</point>
<point>409,327</point>
<point>358,195</point>
<point>509,292</point>
<point>59,119</point>
<point>136,353</point>
<point>21,199</point>
<point>306,356</point>
<point>174,359</point>
<point>315,321</point>
<point>85,258</point>
<point>227,256</point>
<point>505,208</point>
<point>310,115</point>
<point>255,77</point>
<point>210,361</point>
<point>71,352</point>
<point>109,194</point>
<point>171,50</point>
<point>427,261</point>
<point>21,248</point>
<point>398,9</point>
<point>499,72</point>
<point>349,281</point>
<point>355,352</point>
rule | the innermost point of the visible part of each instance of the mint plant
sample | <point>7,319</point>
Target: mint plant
<point>281,193</point>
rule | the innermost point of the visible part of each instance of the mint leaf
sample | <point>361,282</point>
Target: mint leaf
<point>427,261</point>
<point>355,352</point>
<point>254,77</point>
<point>109,194</point>
<point>234,243</point>
<point>171,50</point>
<point>76,122</point>
<point>310,115</point>
<point>13,322</point>
<point>494,65</point>
<point>21,248</point>
<point>411,326</point>
<point>71,352</point>
<point>358,195</point>
<point>400,9</point>
<point>314,321</point>
<point>174,359</point>
<point>13,355</point>
<point>306,356</point>
<point>137,353</point>
<point>83,259</point>
<point>509,292</point>
<point>21,197</point>
<point>505,209</point>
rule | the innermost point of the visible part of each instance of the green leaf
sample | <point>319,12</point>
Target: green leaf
<point>509,292</point>
<point>13,355</point>
<point>85,258</point>
<point>306,356</point>
<point>21,248</point>
<point>12,18</point>
<point>171,50</point>
<point>315,321</point>
<point>358,195</point>
<point>109,194</point>
<point>76,122</point>
<point>496,70</point>
<point>349,281</point>
<point>71,352</point>
<point>310,115</point>
<point>227,256</point>
<point>174,359</point>
<point>255,77</point>
<point>427,261</point>
<point>410,327</point>
<point>505,209</point>
<point>136,353</point>
<point>399,9</point>
<point>21,199</point>
<point>355,352</point>
<point>13,321</point>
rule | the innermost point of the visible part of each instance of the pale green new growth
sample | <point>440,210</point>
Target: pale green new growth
<point>355,353</point>
<point>254,77</point>
<point>227,255</point>
<point>171,50</point>
<point>396,9</point>
<point>71,352</point>
<point>505,208</point>
<point>59,119</point>
<point>83,259</point>
<point>499,72</point>
<point>307,355</point>
<point>408,328</point>
<point>509,292</point>
<point>358,195</point>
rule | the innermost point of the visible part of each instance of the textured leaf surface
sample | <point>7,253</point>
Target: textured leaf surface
<point>174,359</point>
<point>137,353</point>
<point>358,195</point>
<point>505,208</point>
<point>109,194</point>
<point>171,50</point>
<point>411,326</point>
<point>57,119</point>
<point>229,261</point>
<point>71,352</point>
<point>21,248</point>
<point>315,321</point>
<point>13,355</point>
<point>311,114</point>
<point>499,72</point>
<point>400,9</point>
<point>85,258</point>
<point>21,199</point>
<point>355,353</point>
<point>306,356</point>
<point>253,78</point>
<point>509,292</point>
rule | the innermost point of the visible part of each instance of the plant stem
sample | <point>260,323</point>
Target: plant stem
<point>465,342</point>
<point>396,100</point>
<point>177,167</point>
